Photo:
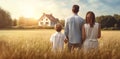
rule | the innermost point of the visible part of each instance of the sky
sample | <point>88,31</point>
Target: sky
<point>58,8</point>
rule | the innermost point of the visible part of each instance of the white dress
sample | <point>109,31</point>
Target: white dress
<point>91,41</point>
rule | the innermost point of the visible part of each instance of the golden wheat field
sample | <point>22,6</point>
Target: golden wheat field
<point>35,44</point>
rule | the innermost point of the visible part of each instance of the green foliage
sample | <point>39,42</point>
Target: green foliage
<point>108,21</point>
<point>5,19</point>
<point>14,22</point>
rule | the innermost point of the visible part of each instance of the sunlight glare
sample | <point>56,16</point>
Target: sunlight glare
<point>28,11</point>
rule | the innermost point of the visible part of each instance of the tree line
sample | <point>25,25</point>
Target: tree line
<point>106,21</point>
<point>7,22</point>
<point>5,19</point>
<point>109,22</point>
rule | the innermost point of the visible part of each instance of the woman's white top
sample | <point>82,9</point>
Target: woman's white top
<point>91,32</point>
<point>91,41</point>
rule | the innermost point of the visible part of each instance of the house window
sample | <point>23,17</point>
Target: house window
<point>46,22</point>
<point>46,19</point>
<point>41,23</point>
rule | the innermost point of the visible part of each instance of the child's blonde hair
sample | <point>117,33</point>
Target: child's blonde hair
<point>58,27</point>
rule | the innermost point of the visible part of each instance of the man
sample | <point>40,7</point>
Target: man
<point>73,28</point>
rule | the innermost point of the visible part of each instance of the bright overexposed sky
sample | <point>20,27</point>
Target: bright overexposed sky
<point>58,8</point>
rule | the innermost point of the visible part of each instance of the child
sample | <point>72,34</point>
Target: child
<point>58,39</point>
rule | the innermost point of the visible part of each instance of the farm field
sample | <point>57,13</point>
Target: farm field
<point>35,44</point>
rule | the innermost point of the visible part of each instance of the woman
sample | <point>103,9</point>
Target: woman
<point>91,31</point>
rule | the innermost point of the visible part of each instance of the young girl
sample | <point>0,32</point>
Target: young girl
<point>57,39</point>
<point>90,32</point>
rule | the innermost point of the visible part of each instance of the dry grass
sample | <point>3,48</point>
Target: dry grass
<point>34,44</point>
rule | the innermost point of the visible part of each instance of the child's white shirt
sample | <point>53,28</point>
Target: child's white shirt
<point>58,41</point>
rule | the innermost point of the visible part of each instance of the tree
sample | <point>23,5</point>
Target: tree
<point>21,21</point>
<point>117,17</point>
<point>14,22</point>
<point>110,21</point>
<point>27,21</point>
<point>5,19</point>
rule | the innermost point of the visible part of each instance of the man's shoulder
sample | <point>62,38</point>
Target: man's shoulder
<point>69,17</point>
<point>80,18</point>
<point>73,16</point>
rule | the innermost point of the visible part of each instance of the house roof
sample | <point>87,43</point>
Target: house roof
<point>49,16</point>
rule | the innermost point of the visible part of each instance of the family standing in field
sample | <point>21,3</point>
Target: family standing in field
<point>78,33</point>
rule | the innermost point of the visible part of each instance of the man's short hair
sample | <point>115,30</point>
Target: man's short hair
<point>58,27</point>
<point>75,8</point>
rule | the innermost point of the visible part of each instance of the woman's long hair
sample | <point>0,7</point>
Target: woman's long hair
<point>93,18</point>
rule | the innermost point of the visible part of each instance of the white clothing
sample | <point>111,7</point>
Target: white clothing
<point>91,41</point>
<point>58,41</point>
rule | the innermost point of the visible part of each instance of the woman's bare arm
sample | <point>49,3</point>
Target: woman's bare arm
<point>83,34</point>
<point>99,31</point>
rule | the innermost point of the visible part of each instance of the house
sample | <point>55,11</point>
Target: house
<point>47,20</point>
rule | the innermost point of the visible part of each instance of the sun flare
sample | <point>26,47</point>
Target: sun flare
<point>28,11</point>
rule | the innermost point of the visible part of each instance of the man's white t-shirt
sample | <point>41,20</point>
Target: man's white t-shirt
<point>58,41</point>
